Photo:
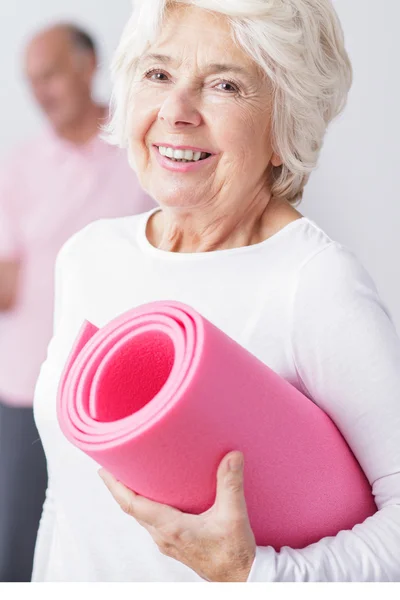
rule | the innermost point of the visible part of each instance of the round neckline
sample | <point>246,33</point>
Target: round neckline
<point>150,249</point>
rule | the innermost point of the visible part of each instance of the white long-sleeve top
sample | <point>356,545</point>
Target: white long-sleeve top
<point>298,301</point>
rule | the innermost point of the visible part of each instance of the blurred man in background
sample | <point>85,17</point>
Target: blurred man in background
<point>49,189</point>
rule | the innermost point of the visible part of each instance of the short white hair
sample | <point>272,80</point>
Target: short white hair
<point>299,44</point>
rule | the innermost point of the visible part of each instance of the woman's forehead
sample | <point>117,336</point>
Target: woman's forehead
<point>195,17</point>
<point>198,36</point>
<point>196,23</point>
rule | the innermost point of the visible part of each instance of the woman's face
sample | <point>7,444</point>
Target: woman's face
<point>200,115</point>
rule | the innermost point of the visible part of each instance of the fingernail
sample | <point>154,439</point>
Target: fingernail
<point>236,464</point>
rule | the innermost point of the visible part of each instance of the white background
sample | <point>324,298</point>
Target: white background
<point>353,195</point>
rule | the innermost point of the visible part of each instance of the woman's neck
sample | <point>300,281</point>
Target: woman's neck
<point>208,229</point>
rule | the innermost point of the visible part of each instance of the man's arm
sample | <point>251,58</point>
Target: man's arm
<point>9,275</point>
<point>10,243</point>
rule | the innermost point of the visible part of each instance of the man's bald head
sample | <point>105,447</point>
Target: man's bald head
<point>72,35</point>
<point>60,66</point>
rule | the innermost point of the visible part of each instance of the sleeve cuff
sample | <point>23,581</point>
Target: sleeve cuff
<point>9,255</point>
<point>261,571</point>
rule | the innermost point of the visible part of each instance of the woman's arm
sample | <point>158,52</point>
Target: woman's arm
<point>347,355</point>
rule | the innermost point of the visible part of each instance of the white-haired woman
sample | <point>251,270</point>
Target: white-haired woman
<point>223,107</point>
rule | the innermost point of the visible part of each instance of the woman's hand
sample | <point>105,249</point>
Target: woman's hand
<point>218,545</point>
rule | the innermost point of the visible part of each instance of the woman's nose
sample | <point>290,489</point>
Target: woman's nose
<point>179,110</point>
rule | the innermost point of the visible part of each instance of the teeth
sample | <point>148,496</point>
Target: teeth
<point>188,155</point>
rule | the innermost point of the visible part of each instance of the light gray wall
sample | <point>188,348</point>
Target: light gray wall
<point>353,195</point>
<point>18,20</point>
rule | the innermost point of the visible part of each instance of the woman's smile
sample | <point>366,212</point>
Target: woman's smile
<point>182,159</point>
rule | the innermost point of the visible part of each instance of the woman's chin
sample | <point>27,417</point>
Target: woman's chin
<point>184,199</point>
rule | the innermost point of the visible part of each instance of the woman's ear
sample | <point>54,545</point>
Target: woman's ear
<point>276,160</point>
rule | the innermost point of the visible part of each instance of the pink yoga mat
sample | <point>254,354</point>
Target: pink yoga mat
<point>160,395</point>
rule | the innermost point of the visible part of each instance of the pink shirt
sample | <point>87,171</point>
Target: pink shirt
<point>49,190</point>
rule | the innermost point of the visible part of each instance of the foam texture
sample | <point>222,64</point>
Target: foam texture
<point>160,395</point>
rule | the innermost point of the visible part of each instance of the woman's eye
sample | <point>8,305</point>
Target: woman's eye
<point>156,76</point>
<point>226,86</point>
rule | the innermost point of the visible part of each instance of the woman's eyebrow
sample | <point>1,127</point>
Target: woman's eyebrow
<point>225,68</point>
<point>212,68</point>
<point>159,58</point>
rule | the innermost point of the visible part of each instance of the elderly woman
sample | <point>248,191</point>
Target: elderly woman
<point>223,107</point>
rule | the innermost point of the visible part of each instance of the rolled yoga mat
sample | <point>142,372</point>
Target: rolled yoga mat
<point>160,395</point>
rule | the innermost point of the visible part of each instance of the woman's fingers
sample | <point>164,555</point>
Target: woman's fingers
<point>121,494</point>
<point>147,512</point>
<point>218,545</point>
<point>230,500</point>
